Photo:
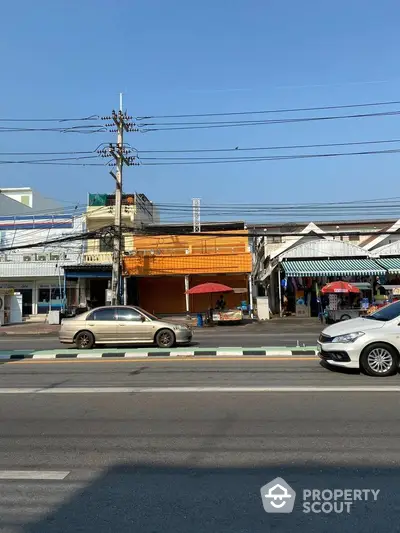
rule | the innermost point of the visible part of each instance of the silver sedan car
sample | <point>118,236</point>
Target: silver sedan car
<point>122,325</point>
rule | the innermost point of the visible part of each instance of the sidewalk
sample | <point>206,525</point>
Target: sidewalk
<point>29,328</point>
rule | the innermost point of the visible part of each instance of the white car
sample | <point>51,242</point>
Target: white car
<point>371,342</point>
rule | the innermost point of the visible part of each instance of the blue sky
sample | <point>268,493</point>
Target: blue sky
<point>73,58</point>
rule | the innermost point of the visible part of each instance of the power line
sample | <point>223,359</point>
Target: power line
<point>91,117</point>
<point>49,153</point>
<point>49,160</point>
<point>259,148</point>
<point>172,126</point>
<point>254,159</point>
<point>90,129</point>
<point>386,199</point>
<point>270,111</point>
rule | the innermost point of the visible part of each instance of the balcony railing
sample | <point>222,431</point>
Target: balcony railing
<point>98,257</point>
<point>106,257</point>
<point>200,250</point>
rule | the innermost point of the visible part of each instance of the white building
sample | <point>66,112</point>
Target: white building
<point>29,262</point>
<point>352,250</point>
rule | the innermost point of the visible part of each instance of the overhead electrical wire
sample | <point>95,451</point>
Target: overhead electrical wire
<point>49,153</point>
<point>89,129</point>
<point>90,117</point>
<point>172,126</point>
<point>255,159</point>
<point>270,111</point>
<point>261,148</point>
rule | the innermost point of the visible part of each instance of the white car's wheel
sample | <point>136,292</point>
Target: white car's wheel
<point>379,359</point>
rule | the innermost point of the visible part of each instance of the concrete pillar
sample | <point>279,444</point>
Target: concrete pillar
<point>280,291</point>
<point>251,295</point>
<point>187,297</point>
<point>125,290</point>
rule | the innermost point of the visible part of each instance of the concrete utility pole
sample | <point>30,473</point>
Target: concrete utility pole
<point>120,154</point>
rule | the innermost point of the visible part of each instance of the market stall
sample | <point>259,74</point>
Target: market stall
<point>216,312</point>
<point>345,301</point>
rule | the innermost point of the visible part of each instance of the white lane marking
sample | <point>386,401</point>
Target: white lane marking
<point>146,390</point>
<point>176,353</point>
<point>227,352</point>
<point>275,353</point>
<point>15,390</point>
<point>87,356</point>
<point>33,474</point>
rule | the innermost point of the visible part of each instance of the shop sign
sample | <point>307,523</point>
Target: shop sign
<point>16,286</point>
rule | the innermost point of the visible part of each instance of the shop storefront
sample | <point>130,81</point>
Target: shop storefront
<point>38,296</point>
<point>302,281</point>
<point>86,286</point>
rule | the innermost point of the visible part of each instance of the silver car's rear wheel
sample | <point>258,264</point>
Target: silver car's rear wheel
<point>84,340</point>
<point>165,338</point>
<point>379,360</point>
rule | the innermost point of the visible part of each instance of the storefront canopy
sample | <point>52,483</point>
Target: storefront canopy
<point>391,264</point>
<point>333,267</point>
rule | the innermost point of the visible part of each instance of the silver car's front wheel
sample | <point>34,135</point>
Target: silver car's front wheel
<point>84,340</point>
<point>165,338</point>
<point>379,359</point>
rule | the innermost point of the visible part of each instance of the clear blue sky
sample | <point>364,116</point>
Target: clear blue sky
<point>73,58</point>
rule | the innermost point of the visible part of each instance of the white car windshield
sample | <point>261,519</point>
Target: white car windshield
<point>386,313</point>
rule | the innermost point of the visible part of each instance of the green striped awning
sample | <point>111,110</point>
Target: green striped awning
<point>333,267</point>
<point>391,264</point>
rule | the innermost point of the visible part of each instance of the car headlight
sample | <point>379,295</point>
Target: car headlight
<point>349,337</point>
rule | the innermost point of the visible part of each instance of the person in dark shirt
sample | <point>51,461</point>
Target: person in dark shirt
<point>221,304</point>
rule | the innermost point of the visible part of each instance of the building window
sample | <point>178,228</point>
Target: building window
<point>354,238</point>
<point>49,298</point>
<point>25,199</point>
<point>273,240</point>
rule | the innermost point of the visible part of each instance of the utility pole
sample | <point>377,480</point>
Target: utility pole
<point>120,155</point>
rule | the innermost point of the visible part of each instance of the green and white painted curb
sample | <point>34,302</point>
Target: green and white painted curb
<point>123,353</point>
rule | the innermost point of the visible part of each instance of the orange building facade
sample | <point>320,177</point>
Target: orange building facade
<point>162,268</point>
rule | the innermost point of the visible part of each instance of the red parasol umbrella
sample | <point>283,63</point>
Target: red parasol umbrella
<point>339,287</point>
<point>209,288</point>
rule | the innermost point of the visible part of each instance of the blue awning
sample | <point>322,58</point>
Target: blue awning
<point>87,274</point>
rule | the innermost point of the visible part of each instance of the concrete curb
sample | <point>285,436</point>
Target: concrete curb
<point>157,352</point>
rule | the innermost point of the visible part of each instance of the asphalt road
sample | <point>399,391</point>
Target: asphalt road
<point>228,336</point>
<point>190,461</point>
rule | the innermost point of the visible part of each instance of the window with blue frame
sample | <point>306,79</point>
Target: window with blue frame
<point>49,299</point>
